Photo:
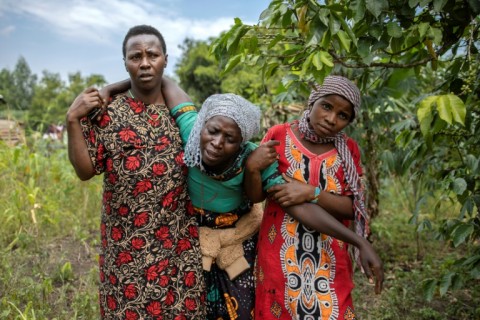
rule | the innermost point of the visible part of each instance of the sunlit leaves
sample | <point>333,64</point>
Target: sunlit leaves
<point>344,40</point>
<point>450,108</point>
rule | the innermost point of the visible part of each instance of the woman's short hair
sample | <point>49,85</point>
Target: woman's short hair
<point>143,29</point>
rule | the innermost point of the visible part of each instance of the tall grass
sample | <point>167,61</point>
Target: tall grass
<point>48,235</point>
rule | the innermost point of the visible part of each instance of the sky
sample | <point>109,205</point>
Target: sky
<point>67,36</point>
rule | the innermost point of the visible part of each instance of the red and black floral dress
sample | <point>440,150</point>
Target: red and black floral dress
<point>300,273</point>
<point>150,261</point>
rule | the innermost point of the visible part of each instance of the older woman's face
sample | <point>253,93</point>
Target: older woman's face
<point>220,142</point>
<point>145,61</point>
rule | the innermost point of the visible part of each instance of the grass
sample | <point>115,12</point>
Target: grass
<point>409,259</point>
<point>49,235</point>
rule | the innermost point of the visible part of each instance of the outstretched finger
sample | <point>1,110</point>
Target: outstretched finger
<point>272,143</point>
<point>367,270</point>
<point>378,280</point>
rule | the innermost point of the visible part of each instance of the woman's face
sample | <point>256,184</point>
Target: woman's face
<point>145,61</point>
<point>330,115</point>
<point>220,141</point>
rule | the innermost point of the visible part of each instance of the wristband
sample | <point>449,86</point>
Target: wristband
<point>316,194</point>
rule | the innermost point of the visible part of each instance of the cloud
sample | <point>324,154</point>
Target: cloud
<point>107,20</point>
<point>7,30</point>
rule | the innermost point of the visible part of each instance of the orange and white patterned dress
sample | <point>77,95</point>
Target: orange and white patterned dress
<point>300,273</point>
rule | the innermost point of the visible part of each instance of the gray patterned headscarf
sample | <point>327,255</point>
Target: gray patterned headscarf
<point>243,112</point>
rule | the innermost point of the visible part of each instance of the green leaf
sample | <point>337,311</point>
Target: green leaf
<point>439,4</point>
<point>344,40</point>
<point>326,58</point>
<point>429,286</point>
<point>346,27</point>
<point>275,40</point>
<point>394,30</point>
<point>445,283</point>
<point>317,60</point>
<point>363,48</point>
<point>377,6</point>
<point>412,3</point>
<point>424,114</point>
<point>375,31</point>
<point>467,207</point>
<point>435,34</point>
<point>461,233</point>
<point>473,163</point>
<point>315,38</point>
<point>232,63</point>
<point>335,7</point>
<point>450,107</point>
<point>444,110</point>
<point>396,44</point>
<point>333,24</point>
<point>287,20</point>
<point>270,69</point>
<point>265,14</point>
<point>307,64</point>
<point>459,186</point>
<point>358,7</point>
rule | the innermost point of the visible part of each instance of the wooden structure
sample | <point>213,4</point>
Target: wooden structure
<point>11,132</point>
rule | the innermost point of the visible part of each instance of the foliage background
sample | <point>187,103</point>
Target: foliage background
<point>417,63</point>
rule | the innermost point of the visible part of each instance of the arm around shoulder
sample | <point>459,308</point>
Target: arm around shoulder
<point>77,147</point>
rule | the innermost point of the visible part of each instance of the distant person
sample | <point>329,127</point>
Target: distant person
<point>150,261</point>
<point>301,273</point>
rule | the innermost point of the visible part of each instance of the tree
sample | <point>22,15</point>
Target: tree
<point>17,87</point>
<point>201,76</point>
<point>198,71</point>
<point>417,63</point>
<point>53,97</point>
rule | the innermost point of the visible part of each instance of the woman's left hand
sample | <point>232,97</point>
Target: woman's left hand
<point>372,265</point>
<point>292,192</point>
<point>263,156</point>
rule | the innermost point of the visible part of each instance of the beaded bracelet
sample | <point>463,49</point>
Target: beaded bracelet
<point>315,196</point>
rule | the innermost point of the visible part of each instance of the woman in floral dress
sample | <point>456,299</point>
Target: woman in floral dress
<point>150,261</point>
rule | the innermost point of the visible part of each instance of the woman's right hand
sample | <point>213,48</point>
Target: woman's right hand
<point>84,103</point>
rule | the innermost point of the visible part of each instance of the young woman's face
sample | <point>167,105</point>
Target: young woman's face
<point>220,141</point>
<point>330,115</point>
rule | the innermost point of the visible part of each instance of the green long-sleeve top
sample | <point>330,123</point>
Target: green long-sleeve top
<point>211,193</point>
